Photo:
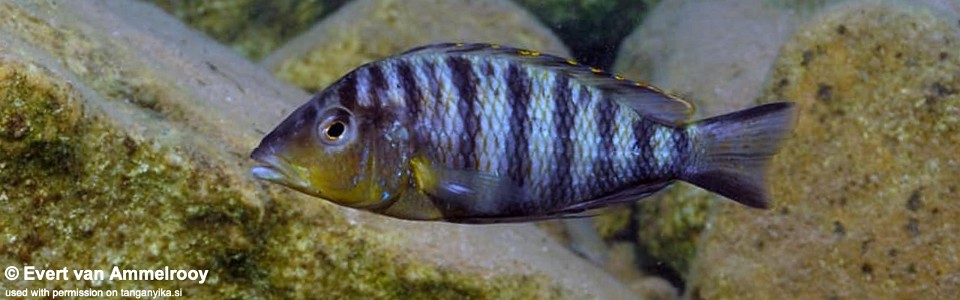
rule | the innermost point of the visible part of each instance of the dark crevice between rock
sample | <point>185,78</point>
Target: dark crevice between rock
<point>653,267</point>
<point>593,31</point>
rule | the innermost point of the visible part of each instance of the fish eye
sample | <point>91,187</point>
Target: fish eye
<point>334,127</point>
<point>334,131</point>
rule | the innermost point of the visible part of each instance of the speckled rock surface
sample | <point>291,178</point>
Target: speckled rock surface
<point>367,30</point>
<point>669,226</point>
<point>254,28</point>
<point>866,191</point>
<point>124,139</point>
<point>716,54</point>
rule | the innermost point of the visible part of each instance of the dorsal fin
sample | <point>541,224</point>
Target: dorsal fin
<point>647,100</point>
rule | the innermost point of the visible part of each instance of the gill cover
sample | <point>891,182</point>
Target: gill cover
<point>333,152</point>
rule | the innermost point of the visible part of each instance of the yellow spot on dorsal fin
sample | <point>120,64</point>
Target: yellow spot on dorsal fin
<point>495,46</point>
<point>524,52</point>
<point>458,44</point>
<point>641,84</point>
<point>595,70</point>
<point>617,77</point>
<point>534,53</point>
<point>572,62</point>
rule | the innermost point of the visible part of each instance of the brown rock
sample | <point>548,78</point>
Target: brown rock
<point>124,139</point>
<point>368,30</point>
<point>865,192</point>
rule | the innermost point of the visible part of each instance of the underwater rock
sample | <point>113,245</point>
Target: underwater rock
<point>592,29</point>
<point>865,193</point>
<point>254,28</point>
<point>648,287</point>
<point>716,54</point>
<point>125,136</point>
<point>367,30</point>
<point>612,222</point>
<point>670,225</point>
<point>680,48</point>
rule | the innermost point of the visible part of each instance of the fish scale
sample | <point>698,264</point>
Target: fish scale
<point>587,140</point>
<point>551,140</point>
<point>494,122</point>
<point>483,133</point>
<point>518,98</point>
<point>541,143</point>
<point>552,170</point>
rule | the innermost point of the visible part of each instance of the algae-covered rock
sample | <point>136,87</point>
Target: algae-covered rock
<point>594,28</point>
<point>124,139</point>
<point>716,54</point>
<point>670,226</point>
<point>611,223</point>
<point>866,190</point>
<point>648,287</point>
<point>252,27</point>
<point>367,30</point>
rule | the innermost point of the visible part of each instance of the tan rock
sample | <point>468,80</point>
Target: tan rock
<point>254,28</point>
<point>716,54</point>
<point>866,190</point>
<point>368,30</point>
<point>125,138</point>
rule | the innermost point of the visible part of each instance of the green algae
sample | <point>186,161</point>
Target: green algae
<point>351,266</point>
<point>84,189</point>
<point>144,205</point>
<point>97,64</point>
<point>254,28</point>
<point>670,226</point>
<point>865,190</point>
<point>612,223</point>
<point>99,188</point>
<point>364,30</point>
<point>35,116</point>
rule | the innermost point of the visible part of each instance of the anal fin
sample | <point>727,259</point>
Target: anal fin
<point>627,195</point>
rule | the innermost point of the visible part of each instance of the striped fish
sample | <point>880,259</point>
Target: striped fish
<point>478,133</point>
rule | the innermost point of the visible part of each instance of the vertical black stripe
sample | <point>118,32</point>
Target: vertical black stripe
<point>563,113</point>
<point>465,83</point>
<point>488,69</point>
<point>681,149</point>
<point>603,165</point>
<point>518,97</point>
<point>347,90</point>
<point>642,133</point>
<point>411,94</point>
<point>378,85</point>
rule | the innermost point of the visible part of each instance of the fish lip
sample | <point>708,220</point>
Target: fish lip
<point>275,169</point>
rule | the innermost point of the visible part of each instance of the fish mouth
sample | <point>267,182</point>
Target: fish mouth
<point>275,169</point>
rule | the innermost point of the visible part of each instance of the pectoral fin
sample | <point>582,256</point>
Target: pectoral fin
<point>469,194</point>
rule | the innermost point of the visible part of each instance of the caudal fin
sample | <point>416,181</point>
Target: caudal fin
<point>731,151</point>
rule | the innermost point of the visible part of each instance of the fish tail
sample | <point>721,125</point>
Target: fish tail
<point>730,152</point>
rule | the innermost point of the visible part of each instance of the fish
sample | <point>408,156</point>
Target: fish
<point>484,133</point>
